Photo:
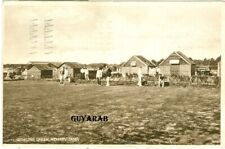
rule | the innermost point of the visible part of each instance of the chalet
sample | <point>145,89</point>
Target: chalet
<point>136,62</point>
<point>177,64</point>
<point>93,67</point>
<point>41,71</point>
<point>74,69</point>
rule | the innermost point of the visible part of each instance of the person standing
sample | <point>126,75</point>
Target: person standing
<point>66,74</point>
<point>161,80</point>
<point>139,77</point>
<point>99,76</point>
<point>108,75</point>
<point>61,79</point>
<point>86,74</point>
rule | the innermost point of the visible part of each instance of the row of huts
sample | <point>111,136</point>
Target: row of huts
<point>175,64</point>
<point>50,70</point>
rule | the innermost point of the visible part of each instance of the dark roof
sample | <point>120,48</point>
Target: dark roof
<point>113,65</point>
<point>72,64</point>
<point>42,66</point>
<point>155,63</point>
<point>143,59</point>
<point>57,64</point>
<point>96,65</point>
<point>15,65</point>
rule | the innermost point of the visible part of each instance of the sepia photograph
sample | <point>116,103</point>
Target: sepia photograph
<point>112,73</point>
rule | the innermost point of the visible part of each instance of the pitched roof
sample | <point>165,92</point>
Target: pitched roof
<point>57,64</point>
<point>15,65</point>
<point>96,65</point>
<point>184,57</point>
<point>181,55</point>
<point>38,62</point>
<point>144,60</point>
<point>72,64</point>
<point>122,64</point>
<point>42,66</point>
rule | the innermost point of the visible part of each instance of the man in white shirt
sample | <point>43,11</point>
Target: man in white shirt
<point>139,77</point>
<point>86,74</point>
<point>66,74</point>
<point>61,79</point>
<point>99,76</point>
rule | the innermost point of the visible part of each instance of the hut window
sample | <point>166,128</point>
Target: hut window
<point>133,64</point>
<point>174,61</point>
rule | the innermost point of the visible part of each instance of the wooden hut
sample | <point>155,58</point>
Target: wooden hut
<point>41,71</point>
<point>134,63</point>
<point>73,69</point>
<point>177,64</point>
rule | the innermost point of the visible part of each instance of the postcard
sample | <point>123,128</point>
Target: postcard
<point>112,73</point>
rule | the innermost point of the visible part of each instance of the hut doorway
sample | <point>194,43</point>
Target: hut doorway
<point>46,74</point>
<point>76,72</point>
<point>174,69</point>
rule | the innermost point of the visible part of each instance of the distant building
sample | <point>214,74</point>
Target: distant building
<point>136,62</point>
<point>177,64</point>
<point>203,70</point>
<point>7,70</point>
<point>92,69</point>
<point>41,71</point>
<point>14,69</point>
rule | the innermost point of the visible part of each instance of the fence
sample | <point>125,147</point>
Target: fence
<point>173,80</point>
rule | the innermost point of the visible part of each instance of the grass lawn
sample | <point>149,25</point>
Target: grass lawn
<point>137,115</point>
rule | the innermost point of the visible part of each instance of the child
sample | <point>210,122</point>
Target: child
<point>161,80</point>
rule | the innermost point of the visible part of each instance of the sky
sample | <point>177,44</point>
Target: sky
<point>110,32</point>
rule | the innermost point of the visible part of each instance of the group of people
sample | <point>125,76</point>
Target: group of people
<point>99,75</point>
<point>85,71</point>
<point>108,71</point>
<point>64,76</point>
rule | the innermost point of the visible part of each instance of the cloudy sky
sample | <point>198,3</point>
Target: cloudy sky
<point>110,32</point>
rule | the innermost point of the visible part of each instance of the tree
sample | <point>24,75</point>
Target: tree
<point>154,62</point>
<point>218,58</point>
<point>160,61</point>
